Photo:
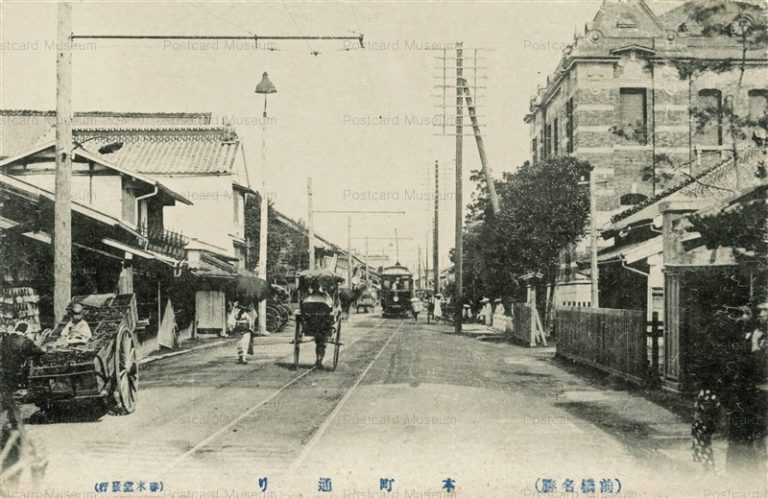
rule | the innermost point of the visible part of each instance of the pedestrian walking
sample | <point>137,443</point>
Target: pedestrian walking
<point>416,307</point>
<point>245,344</point>
<point>438,307</point>
<point>431,309</point>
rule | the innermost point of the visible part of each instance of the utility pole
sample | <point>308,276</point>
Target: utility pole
<point>367,276</point>
<point>593,242</point>
<point>349,252</point>
<point>459,202</point>
<point>310,226</point>
<point>426,262</point>
<point>481,146</point>
<point>418,269</point>
<point>397,248</point>
<point>435,236</point>
<point>62,223</point>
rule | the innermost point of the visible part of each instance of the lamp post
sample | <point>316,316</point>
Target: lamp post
<point>265,87</point>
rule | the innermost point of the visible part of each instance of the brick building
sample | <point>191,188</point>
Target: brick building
<point>618,100</point>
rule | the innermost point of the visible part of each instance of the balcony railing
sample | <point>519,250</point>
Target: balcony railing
<point>164,241</point>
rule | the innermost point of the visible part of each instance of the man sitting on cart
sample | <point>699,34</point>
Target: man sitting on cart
<point>77,330</point>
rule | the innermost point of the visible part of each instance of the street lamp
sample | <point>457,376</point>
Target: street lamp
<point>265,87</point>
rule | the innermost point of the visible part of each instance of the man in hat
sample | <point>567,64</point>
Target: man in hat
<point>77,330</point>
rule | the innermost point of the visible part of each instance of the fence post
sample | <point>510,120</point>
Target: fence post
<point>655,326</point>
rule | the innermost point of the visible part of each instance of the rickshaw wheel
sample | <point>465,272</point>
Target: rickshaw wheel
<point>126,374</point>
<point>338,346</point>
<point>297,344</point>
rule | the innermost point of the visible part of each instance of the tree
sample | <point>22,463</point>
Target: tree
<point>286,246</point>
<point>744,24</point>
<point>544,211</point>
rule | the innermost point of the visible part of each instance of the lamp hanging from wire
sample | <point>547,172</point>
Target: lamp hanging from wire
<point>265,87</point>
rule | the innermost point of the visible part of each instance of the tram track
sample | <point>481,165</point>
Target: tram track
<point>329,419</point>
<point>219,436</point>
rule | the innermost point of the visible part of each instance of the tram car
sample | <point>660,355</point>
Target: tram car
<point>396,290</point>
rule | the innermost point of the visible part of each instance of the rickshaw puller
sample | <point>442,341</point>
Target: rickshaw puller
<point>321,339</point>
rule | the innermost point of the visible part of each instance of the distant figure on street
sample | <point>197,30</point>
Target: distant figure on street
<point>77,330</point>
<point>430,309</point>
<point>245,344</point>
<point>438,307</point>
<point>416,307</point>
<point>486,311</point>
<point>232,314</point>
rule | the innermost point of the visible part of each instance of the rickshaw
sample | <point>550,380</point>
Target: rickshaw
<point>105,368</point>
<point>319,314</point>
<point>367,300</point>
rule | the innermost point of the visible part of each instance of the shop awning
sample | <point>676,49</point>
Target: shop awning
<point>142,253</point>
<point>6,224</point>
<point>45,237</point>
<point>632,253</point>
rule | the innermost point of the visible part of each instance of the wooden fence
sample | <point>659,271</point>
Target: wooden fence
<point>524,325</point>
<point>611,340</point>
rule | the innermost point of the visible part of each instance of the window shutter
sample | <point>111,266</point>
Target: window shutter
<point>711,102</point>
<point>632,112</point>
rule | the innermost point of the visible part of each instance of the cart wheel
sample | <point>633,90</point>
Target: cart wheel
<point>126,374</point>
<point>338,346</point>
<point>296,344</point>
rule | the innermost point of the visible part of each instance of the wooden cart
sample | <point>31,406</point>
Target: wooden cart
<point>105,368</point>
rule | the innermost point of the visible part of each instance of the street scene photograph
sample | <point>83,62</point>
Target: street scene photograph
<point>384,248</point>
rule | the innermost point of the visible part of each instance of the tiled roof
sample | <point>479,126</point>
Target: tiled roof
<point>97,158</point>
<point>717,182</point>
<point>182,150</point>
<point>21,129</point>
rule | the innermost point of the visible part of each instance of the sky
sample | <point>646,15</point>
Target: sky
<point>360,122</point>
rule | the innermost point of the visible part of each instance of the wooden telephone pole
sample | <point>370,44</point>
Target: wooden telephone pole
<point>62,222</point>
<point>349,252</point>
<point>310,225</point>
<point>435,237</point>
<point>459,249</point>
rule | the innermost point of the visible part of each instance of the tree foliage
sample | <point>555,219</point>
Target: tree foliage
<point>743,227</point>
<point>286,246</point>
<point>544,210</point>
